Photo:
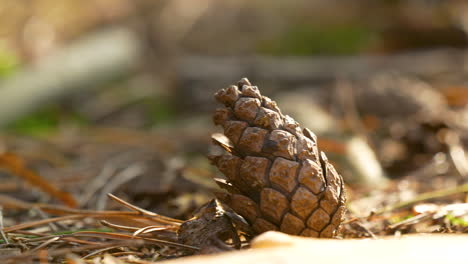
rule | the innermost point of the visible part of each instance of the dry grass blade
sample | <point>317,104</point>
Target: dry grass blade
<point>108,170</point>
<point>128,253</point>
<point>168,220</point>
<point>136,231</point>
<point>2,233</point>
<point>119,227</point>
<point>65,251</point>
<point>41,237</point>
<point>410,221</point>
<point>367,230</point>
<point>54,226</point>
<point>150,229</point>
<point>423,197</point>
<point>13,203</point>
<point>119,179</point>
<point>137,221</point>
<point>99,251</point>
<point>122,216</point>
<point>117,236</point>
<point>131,206</point>
<point>45,244</point>
<point>41,222</point>
<point>16,166</point>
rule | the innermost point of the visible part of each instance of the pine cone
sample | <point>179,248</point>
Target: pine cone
<point>276,178</point>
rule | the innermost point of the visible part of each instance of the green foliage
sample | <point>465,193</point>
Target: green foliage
<point>398,219</point>
<point>44,121</point>
<point>160,110</point>
<point>8,63</point>
<point>458,221</point>
<point>314,39</point>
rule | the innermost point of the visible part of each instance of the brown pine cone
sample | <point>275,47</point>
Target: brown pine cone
<point>276,178</point>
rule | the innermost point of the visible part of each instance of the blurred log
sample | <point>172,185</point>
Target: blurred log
<point>313,69</point>
<point>202,76</point>
<point>99,58</point>
<point>273,247</point>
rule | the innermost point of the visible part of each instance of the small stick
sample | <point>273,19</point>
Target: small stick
<point>4,237</point>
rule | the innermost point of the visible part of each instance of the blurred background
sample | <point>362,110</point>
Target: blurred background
<point>115,96</point>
